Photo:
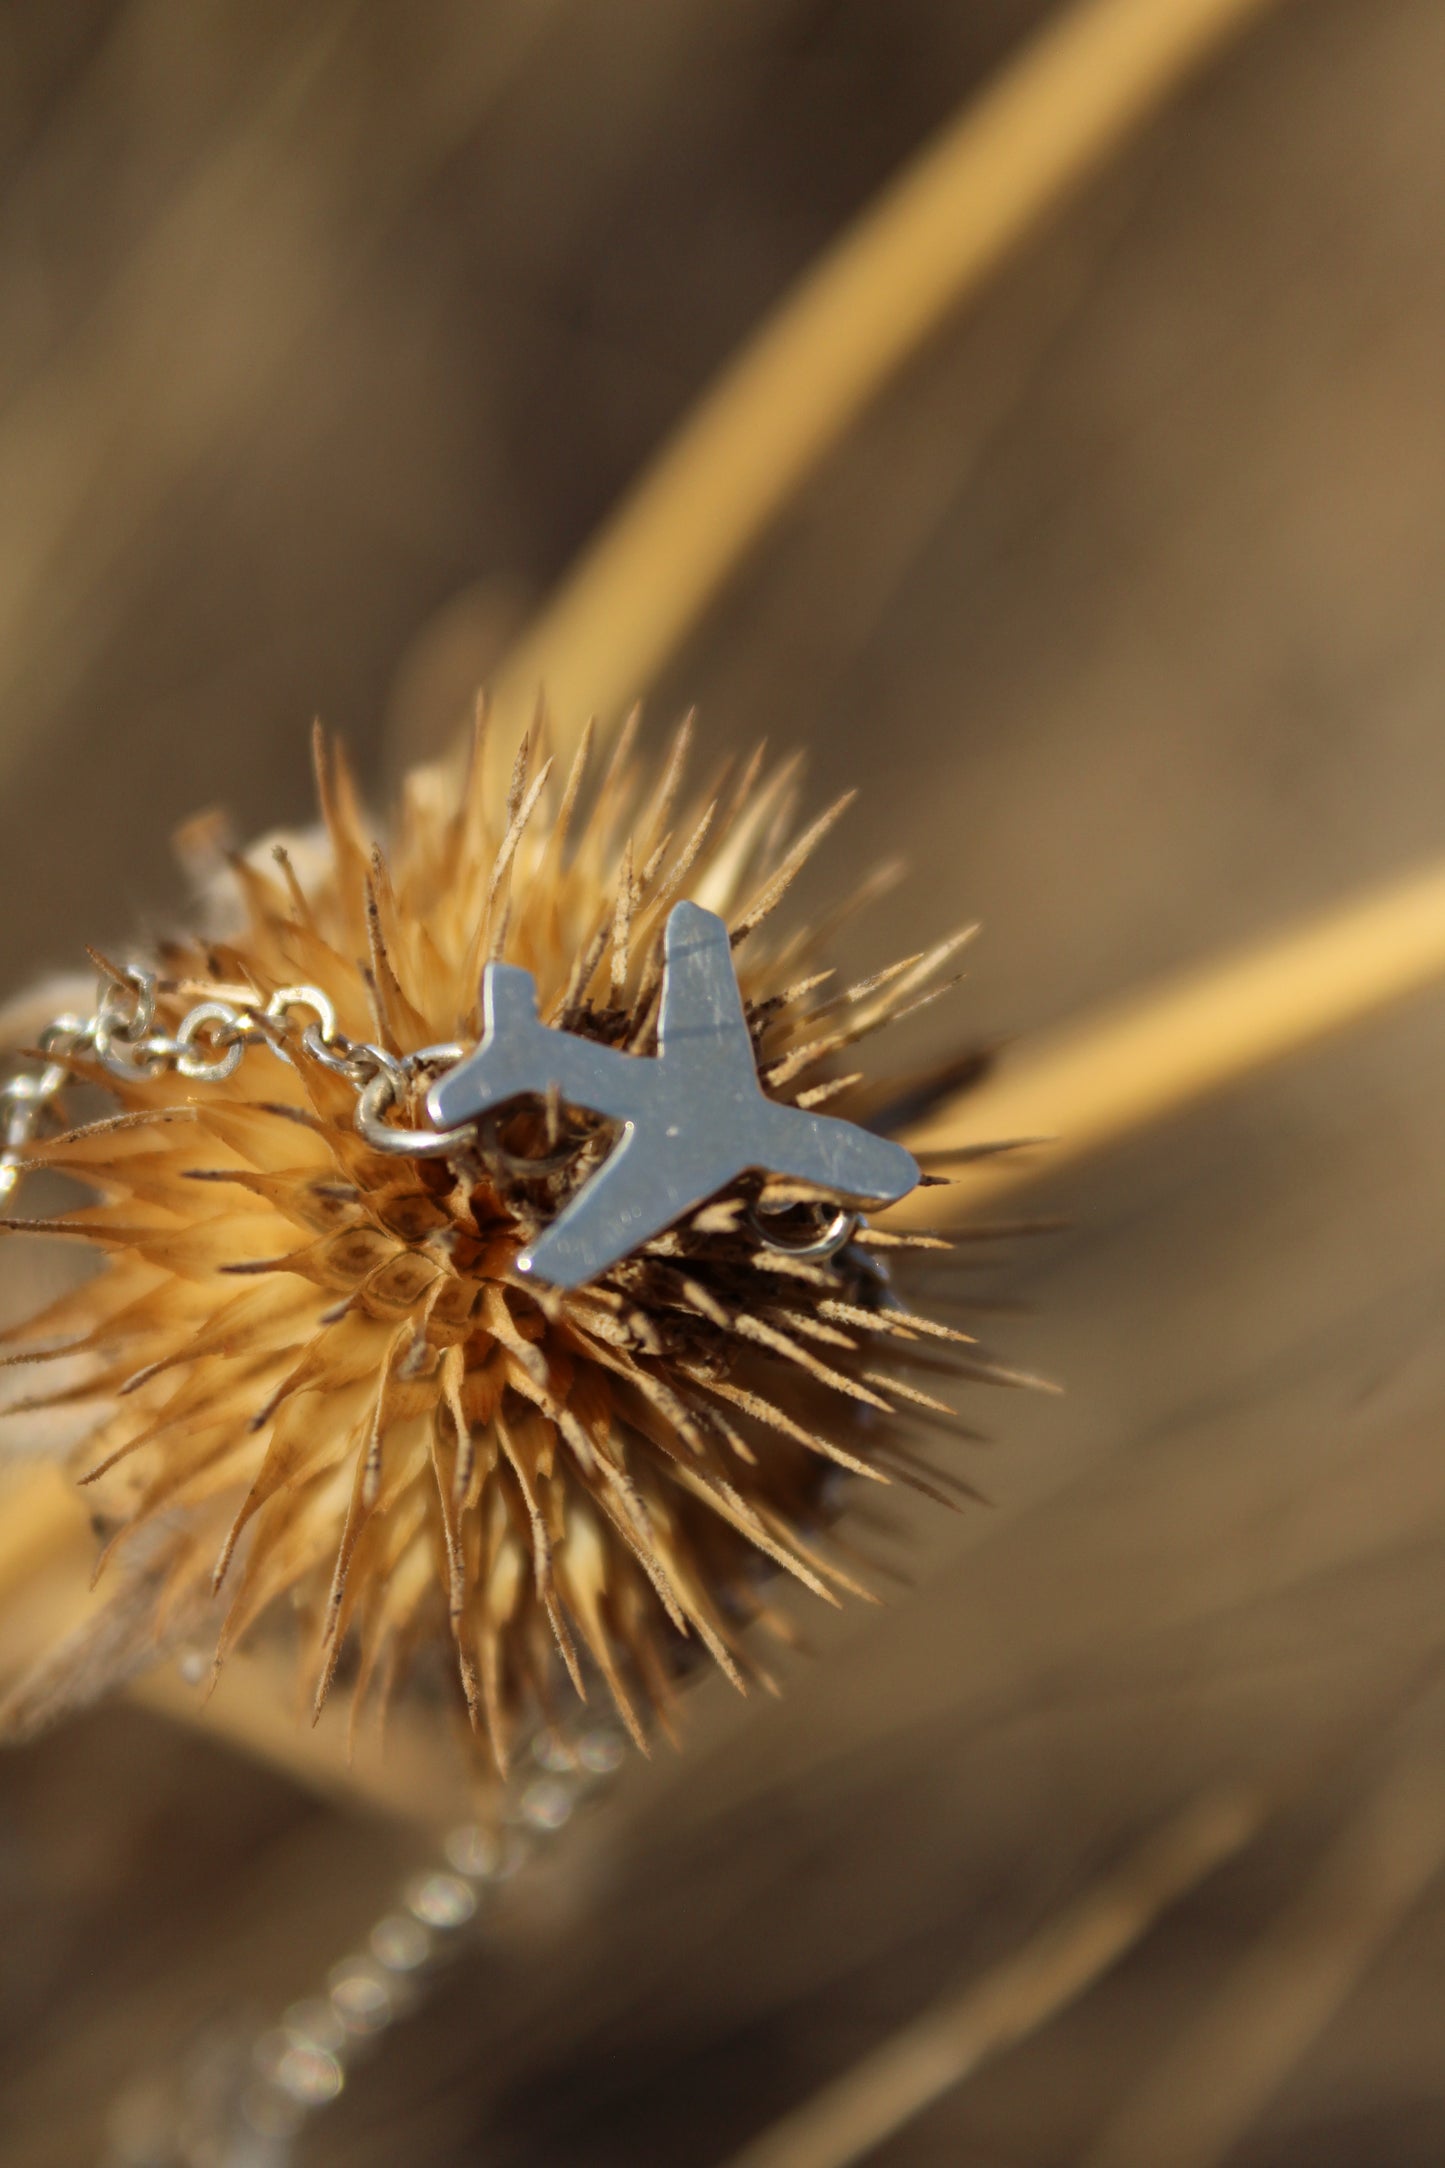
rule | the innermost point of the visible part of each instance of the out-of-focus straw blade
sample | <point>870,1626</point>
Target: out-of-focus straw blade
<point>72,505</point>
<point>1165,1048</point>
<point>46,1554</point>
<point>1201,2097</point>
<point>1094,73</point>
<point>850,2118</point>
<point>411,1772</point>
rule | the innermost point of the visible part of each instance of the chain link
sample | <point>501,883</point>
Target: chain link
<point>121,1034</point>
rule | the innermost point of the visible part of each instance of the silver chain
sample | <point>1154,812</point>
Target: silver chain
<point>122,1035</point>
<point>234,2102</point>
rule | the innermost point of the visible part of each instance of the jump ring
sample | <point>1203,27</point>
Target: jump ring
<point>376,1097</point>
<point>339,1059</point>
<point>287,998</point>
<point>62,1035</point>
<point>111,1017</point>
<point>836,1235</point>
<point>231,1043</point>
<point>123,1058</point>
<point>433,1057</point>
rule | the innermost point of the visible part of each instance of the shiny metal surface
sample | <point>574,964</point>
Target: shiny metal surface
<point>694,1114</point>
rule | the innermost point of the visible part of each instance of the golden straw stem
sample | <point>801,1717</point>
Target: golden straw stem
<point>414,1773</point>
<point>1095,72</point>
<point>46,1554</point>
<point>1198,2101</point>
<point>1170,1045</point>
<point>869,2103</point>
<point>40,1521</point>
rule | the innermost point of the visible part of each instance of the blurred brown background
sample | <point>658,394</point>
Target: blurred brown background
<point>327,335</point>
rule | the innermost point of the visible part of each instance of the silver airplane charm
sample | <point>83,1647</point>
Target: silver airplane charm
<point>695,1116</point>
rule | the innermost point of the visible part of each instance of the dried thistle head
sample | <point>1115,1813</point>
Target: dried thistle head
<point>321,1391</point>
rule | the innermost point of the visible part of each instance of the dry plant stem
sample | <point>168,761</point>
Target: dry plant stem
<point>848,2119</point>
<point>260,200</point>
<point>1203,2094</point>
<point>255,1710</point>
<point>40,1522</point>
<point>45,1543</point>
<point>1173,1044</point>
<point>1092,75</point>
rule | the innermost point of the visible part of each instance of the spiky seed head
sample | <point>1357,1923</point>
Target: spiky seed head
<point>322,1394</point>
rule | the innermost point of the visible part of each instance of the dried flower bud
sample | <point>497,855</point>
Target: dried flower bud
<point>324,1396</point>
